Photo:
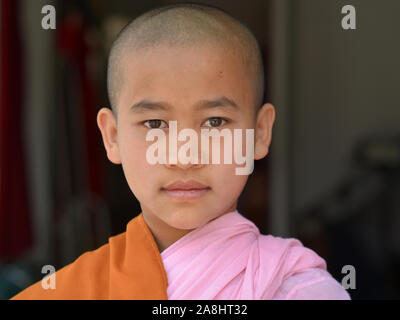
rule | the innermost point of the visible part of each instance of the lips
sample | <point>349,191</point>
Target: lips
<point>182,190</point>
<point>185,185</point>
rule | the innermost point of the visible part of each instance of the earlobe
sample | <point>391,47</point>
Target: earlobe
<point>108,128</point>
<point>263,131</point>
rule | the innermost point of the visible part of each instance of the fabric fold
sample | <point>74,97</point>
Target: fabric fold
<point>129,266</point>
<point>225,259</point>
<point>229,259</point>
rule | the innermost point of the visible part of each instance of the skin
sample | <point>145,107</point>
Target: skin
<point>181,77</point>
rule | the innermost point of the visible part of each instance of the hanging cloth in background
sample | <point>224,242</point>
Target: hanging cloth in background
<point>73,47</point>
<point>15,220</point>
<point>78,155</point>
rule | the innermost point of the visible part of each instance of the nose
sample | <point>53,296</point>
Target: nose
<point>175,160</point>
<point>178,151</point>
<point>184,166</point>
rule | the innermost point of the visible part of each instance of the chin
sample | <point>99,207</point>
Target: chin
<point>187,220</point>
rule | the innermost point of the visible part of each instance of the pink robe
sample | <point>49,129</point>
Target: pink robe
<point>229,259</point>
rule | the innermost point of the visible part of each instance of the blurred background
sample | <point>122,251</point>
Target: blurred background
<point>332,178</point>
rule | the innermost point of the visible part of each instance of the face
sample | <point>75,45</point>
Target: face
<point>175,83</point>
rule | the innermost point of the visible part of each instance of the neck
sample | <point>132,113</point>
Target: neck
<point>164,234</point>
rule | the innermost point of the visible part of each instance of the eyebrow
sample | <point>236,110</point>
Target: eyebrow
<point>223,102</point>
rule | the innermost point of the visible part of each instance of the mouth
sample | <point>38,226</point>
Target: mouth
<point>185,190</point>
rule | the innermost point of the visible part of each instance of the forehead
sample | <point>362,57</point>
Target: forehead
<point>184,75</point>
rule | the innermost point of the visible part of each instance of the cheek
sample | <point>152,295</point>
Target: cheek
<point>138,171</point>
<point>227,182</point>
<point>133,145</point>
<point>224,177</point>
<point>131,150</point>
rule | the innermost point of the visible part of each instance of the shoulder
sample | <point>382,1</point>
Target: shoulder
<point>311,284</point>
<point>85,278</point>
<point>286,261</point>
<point>290,254</point>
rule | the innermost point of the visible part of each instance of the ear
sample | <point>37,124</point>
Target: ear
<point>108,127</point>
<point>263,131</point>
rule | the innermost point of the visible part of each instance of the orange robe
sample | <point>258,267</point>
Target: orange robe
<point>129,266</point>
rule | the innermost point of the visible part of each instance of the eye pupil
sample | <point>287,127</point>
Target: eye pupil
<point>155,123</point>
<point>216,122</point>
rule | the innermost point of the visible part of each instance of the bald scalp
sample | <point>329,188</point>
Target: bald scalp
<point>185,25</point>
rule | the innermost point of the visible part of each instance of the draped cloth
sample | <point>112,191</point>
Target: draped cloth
<point>226,258</point>
<point>129,266</point>
<point>229,259</point>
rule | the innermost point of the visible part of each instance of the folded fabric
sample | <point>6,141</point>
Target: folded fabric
<point>129,266</point>
<point>229,259</point>
<point>225,259</point>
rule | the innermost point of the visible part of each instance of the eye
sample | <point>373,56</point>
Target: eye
<point>155,124</point>
<point>215,122</point>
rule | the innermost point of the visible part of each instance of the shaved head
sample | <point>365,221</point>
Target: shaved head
<point>185,25</point>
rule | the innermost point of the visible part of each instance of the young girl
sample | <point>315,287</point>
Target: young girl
<point>200,67</point>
